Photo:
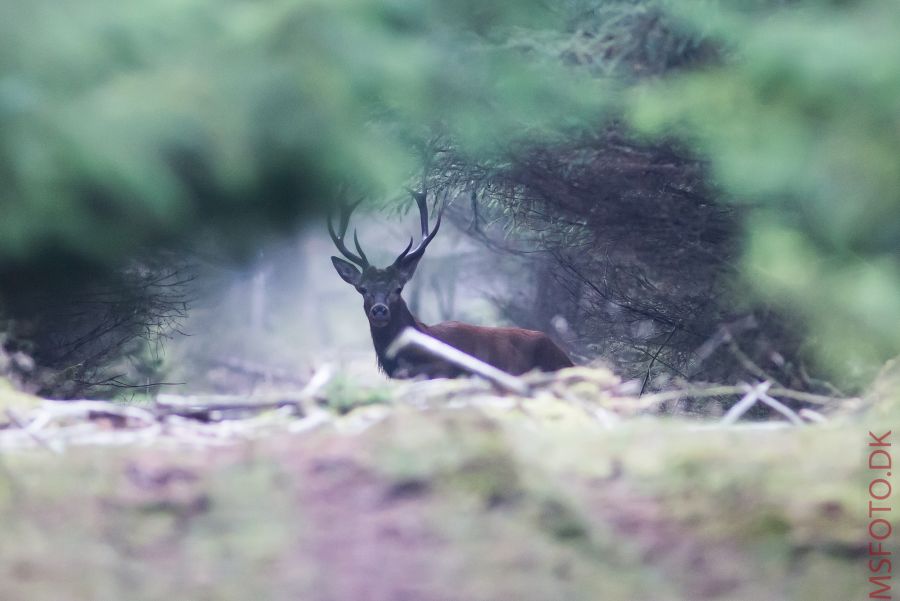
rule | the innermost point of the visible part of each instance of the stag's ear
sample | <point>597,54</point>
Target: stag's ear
<point>347,270</point>
<point>407,269</point>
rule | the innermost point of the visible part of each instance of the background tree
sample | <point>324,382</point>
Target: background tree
<point>800,127</point>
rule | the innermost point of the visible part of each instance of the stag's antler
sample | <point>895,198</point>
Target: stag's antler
<point>408,255</point>
<point>338,238</point>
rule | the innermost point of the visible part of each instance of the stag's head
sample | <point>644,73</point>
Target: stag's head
<point>380,288</point>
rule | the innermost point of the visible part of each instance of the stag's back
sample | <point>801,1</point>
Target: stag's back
<point>514,350</point>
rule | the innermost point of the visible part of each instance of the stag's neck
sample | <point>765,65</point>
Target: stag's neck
<point>383,337</point>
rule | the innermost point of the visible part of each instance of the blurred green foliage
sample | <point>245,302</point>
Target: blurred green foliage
<point>800,121</point>
<point>128,123</point>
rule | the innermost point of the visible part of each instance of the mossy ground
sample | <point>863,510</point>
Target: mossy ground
<point>470,501</point>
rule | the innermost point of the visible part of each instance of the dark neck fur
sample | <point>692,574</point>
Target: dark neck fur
<point>401,318</point>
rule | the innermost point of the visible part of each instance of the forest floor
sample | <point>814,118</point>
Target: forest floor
<point>432,491</point>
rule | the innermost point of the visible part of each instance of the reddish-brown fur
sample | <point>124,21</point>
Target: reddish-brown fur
<point>514,350</point>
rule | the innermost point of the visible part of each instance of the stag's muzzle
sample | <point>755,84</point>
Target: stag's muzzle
<point>379,314</point>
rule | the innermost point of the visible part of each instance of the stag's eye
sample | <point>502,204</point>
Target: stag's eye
<point>362,289</point>
<point>399,290</point>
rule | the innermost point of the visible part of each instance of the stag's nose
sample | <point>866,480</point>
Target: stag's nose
<point>379,311</point>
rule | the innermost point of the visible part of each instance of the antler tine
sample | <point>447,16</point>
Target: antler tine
<point>422,203</point>
<point>359,249</point>
<point>427,237</point>
<point>403,254</point>
<point>338,238</point>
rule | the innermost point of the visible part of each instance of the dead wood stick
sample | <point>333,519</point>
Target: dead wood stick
<point>202,410</point>
<point>196,407</point>
<point>651,400</point>
<point>21,425</point>
<point>53,410</point>
<point>743,406</point>
<point>318,381</point>
<point>813,416</point>
<point>414,338</point>
<point>781,408</point>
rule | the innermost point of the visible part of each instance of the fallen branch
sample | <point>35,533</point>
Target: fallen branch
<point>17,422</point>
<point>197,408</point>
<point>315,385</point>
<point>813,416</point>
<point>696,392</point>
<point>747,401</point>
<point>203,411</point>
<point>413,338</point>
<point>55,410</point>
<point>781,408</point>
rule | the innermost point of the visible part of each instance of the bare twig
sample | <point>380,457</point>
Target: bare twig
<point>724,333</point>
<point>322,376</point>
<point>743,406</point>
<point>813,416</point>
<point>781,408</point>
<point>696,392</point>
<point>54,410</point>
<point>653,360</point>
<point>204,407</point>
<point>746,361</point>
<point>759,394</point>
<point>203,410</point>
<point>16,421</point>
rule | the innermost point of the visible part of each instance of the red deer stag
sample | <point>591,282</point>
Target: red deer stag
<point>512,350</point>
